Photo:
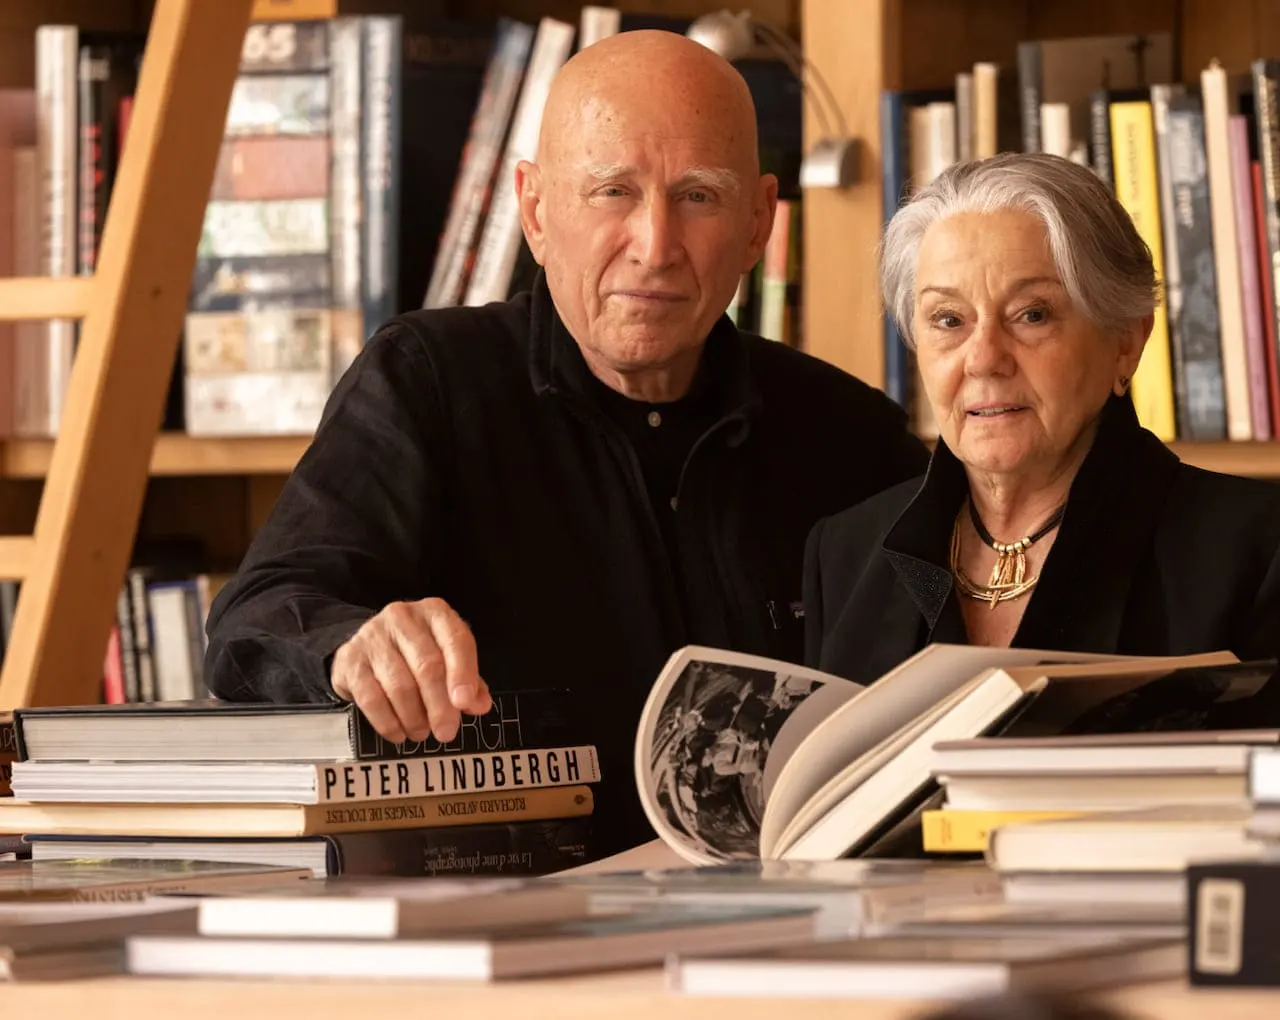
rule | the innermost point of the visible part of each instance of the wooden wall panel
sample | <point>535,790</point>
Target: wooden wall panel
<point>784,14</point>
<point>943,36</point>
<point>1234,32</point>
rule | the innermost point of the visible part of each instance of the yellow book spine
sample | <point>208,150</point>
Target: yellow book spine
<point>1133,146</point>
<point>954,832</point>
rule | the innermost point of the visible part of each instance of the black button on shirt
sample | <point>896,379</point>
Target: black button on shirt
<point>662,436</point>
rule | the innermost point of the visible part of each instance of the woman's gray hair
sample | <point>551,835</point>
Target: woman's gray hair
<point>1102,260</point>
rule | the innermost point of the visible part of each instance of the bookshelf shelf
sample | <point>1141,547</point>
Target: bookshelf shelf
<point>1257,460</point>
<point>175,455</point>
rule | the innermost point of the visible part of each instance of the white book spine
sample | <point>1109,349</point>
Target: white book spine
<point>1226,252</point>
<point>56,56</point>
<point>500,240</point>
<point>347,782</point>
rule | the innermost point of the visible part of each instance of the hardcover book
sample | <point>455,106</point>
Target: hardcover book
<point>739,757</point>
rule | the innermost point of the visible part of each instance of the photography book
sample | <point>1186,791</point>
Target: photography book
<point>212,730</point>
<point>741,757</point>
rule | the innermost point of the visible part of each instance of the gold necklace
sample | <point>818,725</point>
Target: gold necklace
<point>1009,579</point>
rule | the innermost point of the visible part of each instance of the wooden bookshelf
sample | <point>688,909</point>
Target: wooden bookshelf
<point>863,47</point>
<point>175,455</point>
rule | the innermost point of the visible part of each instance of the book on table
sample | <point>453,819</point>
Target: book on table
<point>741,757</point>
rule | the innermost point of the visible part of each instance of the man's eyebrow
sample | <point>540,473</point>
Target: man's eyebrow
<point>610,171</point>
<point>716,178</point>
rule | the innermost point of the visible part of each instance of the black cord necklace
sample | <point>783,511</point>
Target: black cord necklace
<point>1009,575</point>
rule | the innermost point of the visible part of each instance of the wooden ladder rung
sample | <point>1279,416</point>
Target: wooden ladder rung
<point>15,556</point>
<point>43,297</point>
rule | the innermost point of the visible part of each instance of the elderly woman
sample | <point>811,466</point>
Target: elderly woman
<point>1048,518</point>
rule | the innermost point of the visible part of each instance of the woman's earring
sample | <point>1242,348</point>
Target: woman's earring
<point>1123,386</point>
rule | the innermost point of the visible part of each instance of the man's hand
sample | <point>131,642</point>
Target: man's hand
<point>412,671</point>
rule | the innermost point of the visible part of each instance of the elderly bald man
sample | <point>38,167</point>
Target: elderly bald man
<point>562,489</point>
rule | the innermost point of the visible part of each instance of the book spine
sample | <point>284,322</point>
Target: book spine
<point>1266,80</point>
<point>112,670</point>
<point>986,131</point>
<point>380,151</point>
<point>1193,305</point>
<point>1100,137</point>
<point>448,811</point>
<point>1233,927</point>
<point>1268,295</point>
<point>350,782</point>
<point>107,73</point>
<point>128,648</point>
<point>349,326</point>
<point>1029,89</point>
<point>518,720</point>
<point>773,295</point>
<point>1226,252</point>
<point>57,49</point>
<point>949,831</point>
<point>474,185</point>
<point>8,755</point>
<point>1133,142</point>
<point>1250,286</point>
<point>501,237</point>
<point>964,116</point>
<point>1160,97</point>
<point>141,615</point>
<point>516,848</point>
<point>893,130</point>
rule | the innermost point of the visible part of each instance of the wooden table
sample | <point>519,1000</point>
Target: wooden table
<point>637,995</point>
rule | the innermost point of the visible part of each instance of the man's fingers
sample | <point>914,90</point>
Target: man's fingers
<point>399,683</point>
<point>414,638</point>
<point>467,691</point>
<point>362,687</point>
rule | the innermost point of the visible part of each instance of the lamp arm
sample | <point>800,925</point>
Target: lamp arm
<point>808,74</point>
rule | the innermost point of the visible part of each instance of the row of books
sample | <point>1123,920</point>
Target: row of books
<point>1050,906</point>
<point>1194,165</point>
<point>156,646</point>
<point>313,234</point>
<point>305,786</point>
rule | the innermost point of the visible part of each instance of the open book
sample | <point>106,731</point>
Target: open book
<point>740,757</point>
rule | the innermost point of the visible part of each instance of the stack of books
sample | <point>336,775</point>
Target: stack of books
<point>309,786</point>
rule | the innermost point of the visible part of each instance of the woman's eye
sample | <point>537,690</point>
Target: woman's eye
<point>1035,316</point>
<point>946,320</point>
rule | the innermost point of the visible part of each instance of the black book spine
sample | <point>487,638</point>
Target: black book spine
<point>1100,137</point>
<point>1234,924</point>
<point>107,72</point>
<point>518,848</point>
<point>1266,87</point>
<point>1030,73</point>
<point>519,720</point>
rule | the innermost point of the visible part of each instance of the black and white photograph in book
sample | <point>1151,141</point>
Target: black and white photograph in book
<point>707,760</point>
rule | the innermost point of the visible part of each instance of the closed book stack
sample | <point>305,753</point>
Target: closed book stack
<point>306,786</point>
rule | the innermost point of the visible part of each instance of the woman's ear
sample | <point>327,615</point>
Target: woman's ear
<point>1132,342</point>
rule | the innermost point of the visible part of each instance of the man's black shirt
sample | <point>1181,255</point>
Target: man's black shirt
<point>466,456</point>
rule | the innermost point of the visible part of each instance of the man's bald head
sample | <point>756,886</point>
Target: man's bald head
<point>646,204</point>
<point>652,74</point>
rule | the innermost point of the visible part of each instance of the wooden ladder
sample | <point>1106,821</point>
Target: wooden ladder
<point>131,311</point>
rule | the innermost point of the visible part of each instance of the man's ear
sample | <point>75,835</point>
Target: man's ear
<point>529,192</point>
<point>1133,340</point>
<point>764,204</point>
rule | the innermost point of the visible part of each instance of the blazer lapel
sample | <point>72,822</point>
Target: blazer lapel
<point>1080,600</point>
<point>922,606</point>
